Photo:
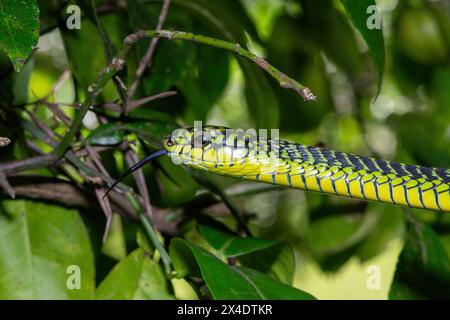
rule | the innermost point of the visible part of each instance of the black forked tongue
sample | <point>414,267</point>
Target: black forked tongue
<point>135,167</point>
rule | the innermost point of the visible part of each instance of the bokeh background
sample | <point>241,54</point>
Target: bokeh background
<point>336,240</point>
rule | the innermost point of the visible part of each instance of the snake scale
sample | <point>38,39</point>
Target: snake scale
<point>245,155</point>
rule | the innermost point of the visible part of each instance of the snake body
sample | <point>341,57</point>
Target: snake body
<point>246,156</point>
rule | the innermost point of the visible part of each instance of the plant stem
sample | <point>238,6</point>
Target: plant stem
<point>27,164</point>
<point>282,78</point>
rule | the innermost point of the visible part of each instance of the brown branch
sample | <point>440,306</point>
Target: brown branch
<point>4,184</point>
<point>28,164</point>
<point>67,194</point>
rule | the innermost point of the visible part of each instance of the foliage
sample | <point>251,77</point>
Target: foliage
<point>74,125</point>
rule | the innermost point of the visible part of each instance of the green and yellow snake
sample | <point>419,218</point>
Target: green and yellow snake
<point>247,156</point>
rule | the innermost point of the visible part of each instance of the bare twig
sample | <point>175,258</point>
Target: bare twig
<point>4,184</point>
<point>137,103</point>
<point>96,159</point>
<point>57,85</point>
<point>28,164</point>
<point>85,170</point>
<point>106,207</point>
<point>282,78</point>
<point>94,91</point>
<point>99,192</point>
<point>140,181</point>
<point>68,194</point>
<point>117,106</point>
<point>54,107</point>
<point>147,59</point>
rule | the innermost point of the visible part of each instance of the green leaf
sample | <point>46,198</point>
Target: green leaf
<point>423,268</point>
<point>106,134</point>
<point>136,277</point>
<point>19,25</point>
<point>205,85</point>
<point>225,282</point>
<point>431,128</point>
<point>357,10</point>
<point>276,258</point>
<point>177,185</point>
<point>39,243</point>
<point>261,100</point>
<point>301,60</point>
<point>114,245</point>
<point>347,231</point>
<point>163,73</point>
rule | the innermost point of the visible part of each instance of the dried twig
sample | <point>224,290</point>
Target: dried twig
<point>28,164</point>
<point>137,103</point>
<point>4,184</point>
<point>99,192</point>
<point>106,207</point>
<point>282,78</point>
<point>116,106</point>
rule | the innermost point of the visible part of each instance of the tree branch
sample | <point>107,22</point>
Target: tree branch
<point>147,59</point>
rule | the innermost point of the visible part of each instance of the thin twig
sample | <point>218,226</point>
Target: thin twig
<point>147,59</point>
<point>4,141</point>
<point>229,203</point>
<point>54,107</point>
<point>28,164</point>
<point>104,202</point>
<point>71,158</point>
<point>282,78</point>
<point>137,103</point>
<point>117,106</point>
<point>69,194</point>
<point>4,184</point>
<point>96,159</point>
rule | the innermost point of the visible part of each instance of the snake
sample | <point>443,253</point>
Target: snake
<point>246,155</point>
